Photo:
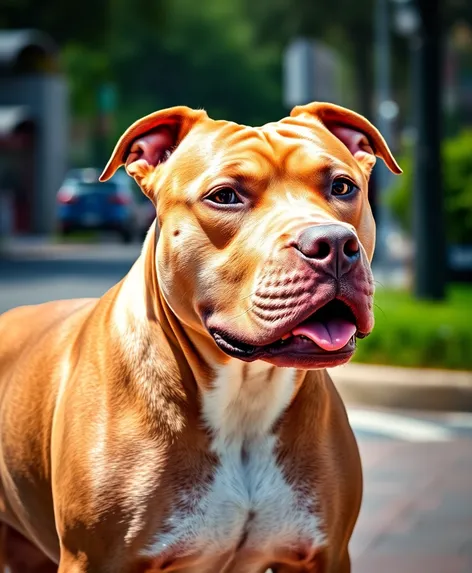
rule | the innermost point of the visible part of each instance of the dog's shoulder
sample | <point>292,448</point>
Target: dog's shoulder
<point>25,328</point>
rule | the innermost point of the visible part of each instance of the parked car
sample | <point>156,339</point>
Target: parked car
<point>86,204</point>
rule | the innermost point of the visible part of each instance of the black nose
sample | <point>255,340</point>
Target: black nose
<point>334,248</point>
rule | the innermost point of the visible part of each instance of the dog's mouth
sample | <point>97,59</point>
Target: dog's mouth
<point>329,333</point>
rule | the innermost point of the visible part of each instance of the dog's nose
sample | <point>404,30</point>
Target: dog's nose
<point>333,248</point>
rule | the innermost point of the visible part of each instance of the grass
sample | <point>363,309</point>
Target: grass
<point>422,334</point>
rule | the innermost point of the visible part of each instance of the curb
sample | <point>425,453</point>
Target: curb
<point>409,388</point>
<point>68,251</point>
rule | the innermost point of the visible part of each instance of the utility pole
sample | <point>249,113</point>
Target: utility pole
<point>428,219</point>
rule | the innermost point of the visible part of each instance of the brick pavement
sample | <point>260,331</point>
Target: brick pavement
<point>417,509</point>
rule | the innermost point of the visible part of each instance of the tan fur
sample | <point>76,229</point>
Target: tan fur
<point>115,419</point>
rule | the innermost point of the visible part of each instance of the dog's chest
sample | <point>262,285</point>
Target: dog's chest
<point>250,504</point>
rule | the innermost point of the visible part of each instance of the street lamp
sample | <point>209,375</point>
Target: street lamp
<point>406,18</point>
<point>407,24</point>
<point>420,21</point>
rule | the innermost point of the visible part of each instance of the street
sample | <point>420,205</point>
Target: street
<point>37,273</point>
<point>417,509</point>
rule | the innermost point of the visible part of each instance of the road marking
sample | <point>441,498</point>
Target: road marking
<point>398,426</point>
<point>459,420</point>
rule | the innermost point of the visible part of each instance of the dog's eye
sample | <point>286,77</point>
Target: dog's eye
<point>342,187</point>
<point>224,196</point>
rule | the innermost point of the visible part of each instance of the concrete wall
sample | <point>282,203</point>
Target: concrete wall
<point>47,98</point>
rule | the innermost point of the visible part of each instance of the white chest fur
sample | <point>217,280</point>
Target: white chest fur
<point>249,502</point>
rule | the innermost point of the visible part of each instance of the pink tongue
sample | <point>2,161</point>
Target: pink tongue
<point>330,335</point>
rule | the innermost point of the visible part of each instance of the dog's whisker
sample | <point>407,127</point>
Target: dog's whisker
<point>243,313</point>
<point>249,295</point>
<point>381,309</point>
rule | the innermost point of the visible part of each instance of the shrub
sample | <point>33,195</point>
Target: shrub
<point>422,334</point>
<point>457,183</point>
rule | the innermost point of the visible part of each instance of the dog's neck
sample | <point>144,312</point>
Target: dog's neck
<point>233,389</point>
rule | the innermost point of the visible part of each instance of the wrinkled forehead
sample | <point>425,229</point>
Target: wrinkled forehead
<point>284,148</point>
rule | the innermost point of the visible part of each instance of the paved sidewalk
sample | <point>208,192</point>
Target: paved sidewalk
<point>47,249</point>
<point>417,509</point>
<point>397,387</point>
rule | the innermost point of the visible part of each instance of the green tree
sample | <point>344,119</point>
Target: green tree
<point>457,183</point>
<point>224,55</point>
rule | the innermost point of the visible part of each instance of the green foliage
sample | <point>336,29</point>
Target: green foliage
<point>401,195</point>
<point>416,333</point>
<point>457,180</point>
<point>87,68</point>
<point>223,55</point>
<point>198,54</point>
<point>205,56</point>
<point>84,22</point>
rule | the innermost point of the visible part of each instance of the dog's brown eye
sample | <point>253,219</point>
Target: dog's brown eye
<point>224,196</point>
<point>342,187</point>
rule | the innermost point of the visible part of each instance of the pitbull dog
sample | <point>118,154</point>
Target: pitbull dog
<point>184,421</point>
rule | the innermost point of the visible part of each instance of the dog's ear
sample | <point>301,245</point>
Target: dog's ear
<point>362,139</point>
<point>150,141</point>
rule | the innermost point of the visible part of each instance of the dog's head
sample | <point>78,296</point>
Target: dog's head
<point>266,234</point>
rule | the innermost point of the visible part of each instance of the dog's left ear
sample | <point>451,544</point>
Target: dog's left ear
<point>150,141</point>
<point>362,139</point>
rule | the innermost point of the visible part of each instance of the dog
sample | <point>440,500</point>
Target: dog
<point>185,420</point>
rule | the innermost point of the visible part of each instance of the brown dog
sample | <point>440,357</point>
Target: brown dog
<point>184,422</point>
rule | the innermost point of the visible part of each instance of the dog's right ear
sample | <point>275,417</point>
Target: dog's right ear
<point>150,141</point>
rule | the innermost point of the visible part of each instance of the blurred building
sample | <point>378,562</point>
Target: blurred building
<point>33,130</point>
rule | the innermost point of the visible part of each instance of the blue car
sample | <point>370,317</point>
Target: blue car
<point>86,204</point>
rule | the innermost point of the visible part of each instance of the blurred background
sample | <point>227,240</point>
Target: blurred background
<point>74,76</point>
